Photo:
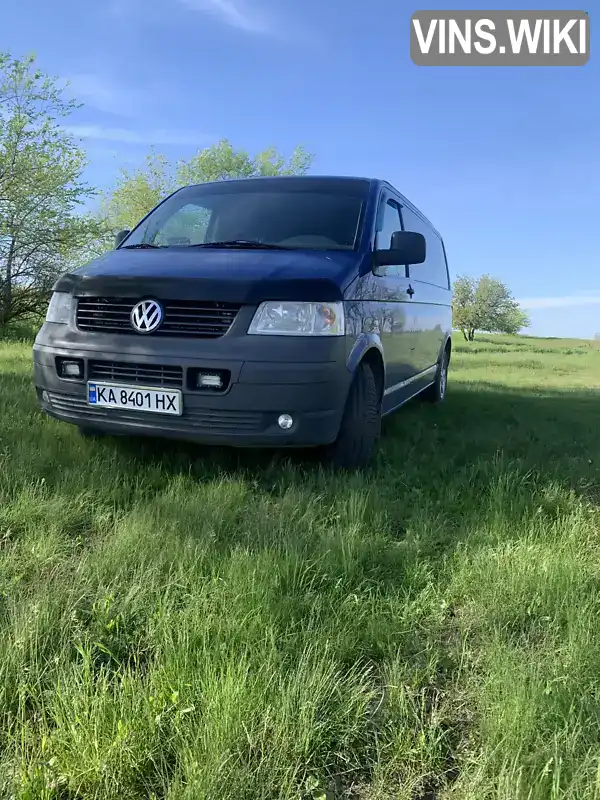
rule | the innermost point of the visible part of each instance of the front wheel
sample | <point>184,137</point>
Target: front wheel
<point>361,423</point>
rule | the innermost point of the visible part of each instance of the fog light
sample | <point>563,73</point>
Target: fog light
<point>71,369</point>
<point>45,396</point>
<point>285,422</point>
<point>209,380</point>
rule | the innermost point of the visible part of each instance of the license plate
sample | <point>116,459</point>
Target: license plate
<point>135,398</point>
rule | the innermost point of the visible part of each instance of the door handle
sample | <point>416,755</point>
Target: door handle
<point>410,291</point>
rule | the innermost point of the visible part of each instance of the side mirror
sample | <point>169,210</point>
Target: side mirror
<point>407,247</point>
<point>121,235</point>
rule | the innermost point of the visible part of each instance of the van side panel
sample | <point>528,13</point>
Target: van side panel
<point>373,310</point>
<point>434,320</point>
<point>432,297</point>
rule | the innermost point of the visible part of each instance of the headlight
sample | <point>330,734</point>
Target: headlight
<point>298,319</point>
<point>59,309</point>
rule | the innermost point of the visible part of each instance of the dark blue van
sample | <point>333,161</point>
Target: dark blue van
<point>263,312</point>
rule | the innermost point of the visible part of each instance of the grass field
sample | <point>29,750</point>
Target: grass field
<point>191,624</point>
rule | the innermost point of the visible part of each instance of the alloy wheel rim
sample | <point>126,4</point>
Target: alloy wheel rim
<point>443,377</point>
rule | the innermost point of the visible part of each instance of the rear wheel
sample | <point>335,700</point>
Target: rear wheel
<point>437,391</point>
<point>361,423</point>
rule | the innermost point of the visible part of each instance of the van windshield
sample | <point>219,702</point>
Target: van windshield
<point>304,214</point>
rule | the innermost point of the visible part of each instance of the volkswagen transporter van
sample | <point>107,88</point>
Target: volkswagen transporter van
<point>262,312</point>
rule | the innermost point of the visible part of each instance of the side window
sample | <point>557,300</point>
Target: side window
<point>434,269</point>
<point>388,222</point>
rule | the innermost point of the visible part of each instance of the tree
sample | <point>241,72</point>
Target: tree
<point>485,305</point>
<point>40,188</point>
<point>137,192</point>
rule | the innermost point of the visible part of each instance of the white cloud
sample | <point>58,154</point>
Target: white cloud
<point>146,137</point>
<point>234,13</point>
<point>98,92</point>
<point>563,301</point>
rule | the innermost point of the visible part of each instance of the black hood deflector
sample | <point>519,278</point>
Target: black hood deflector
<point>227,276</point>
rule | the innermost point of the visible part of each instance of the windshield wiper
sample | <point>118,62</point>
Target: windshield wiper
<point>141,246</point>
<point>242,244</point>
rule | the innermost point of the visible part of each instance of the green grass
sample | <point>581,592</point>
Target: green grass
<point>187,623</point>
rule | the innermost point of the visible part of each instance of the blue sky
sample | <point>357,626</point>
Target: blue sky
<point>504,161</point>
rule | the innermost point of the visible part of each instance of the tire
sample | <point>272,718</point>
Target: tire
<point>360,426</point>
<point>436,393</point>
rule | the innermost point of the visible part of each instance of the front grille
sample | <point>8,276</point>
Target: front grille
<point>137,374</point>
<point>200,420</point>
<point>190,319</point>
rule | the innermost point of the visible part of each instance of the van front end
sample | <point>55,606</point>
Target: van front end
<point>199,375</point>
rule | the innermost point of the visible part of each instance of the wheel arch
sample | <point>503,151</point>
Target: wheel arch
<point>368,349</point>
<point>447,348</point>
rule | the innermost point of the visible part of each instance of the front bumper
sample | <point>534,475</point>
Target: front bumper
<point>273,376</point>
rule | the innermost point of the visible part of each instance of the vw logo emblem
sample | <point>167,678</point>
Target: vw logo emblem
<point>146,316</point>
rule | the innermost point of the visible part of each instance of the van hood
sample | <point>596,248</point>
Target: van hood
<point>228,276</point>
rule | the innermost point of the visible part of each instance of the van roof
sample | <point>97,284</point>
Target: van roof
<point>285,178</point>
